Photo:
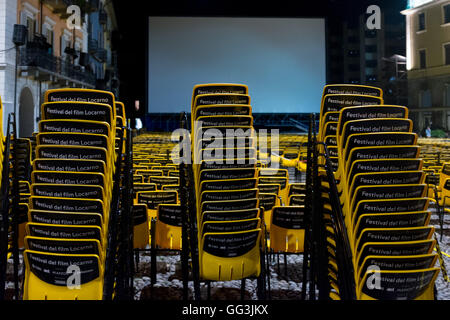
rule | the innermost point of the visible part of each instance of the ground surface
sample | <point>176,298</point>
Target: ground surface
<point>284,285</point>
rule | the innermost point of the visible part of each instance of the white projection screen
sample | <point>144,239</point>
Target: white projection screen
<point>282,60</point>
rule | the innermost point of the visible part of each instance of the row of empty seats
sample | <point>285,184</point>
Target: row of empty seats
<point>156,189</point>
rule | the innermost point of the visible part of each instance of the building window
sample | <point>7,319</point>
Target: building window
<point>31,24</point>
<point>447,53</point>
<point>447,95</point>
<point>421,17</point>
<point>48,33</point>
<point>353,39</point>
<point>353,67</point>
<point>371,48</point>
<point>63,45</point>
<point>371,63</point>
<point>353,53</point>
<point>370,34</point>
<point>423,59</point>
<point>78,45</point>
<point>446,9</point>
<point>425,98</point>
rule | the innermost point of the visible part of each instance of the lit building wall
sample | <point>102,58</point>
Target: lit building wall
<point>428,84</point>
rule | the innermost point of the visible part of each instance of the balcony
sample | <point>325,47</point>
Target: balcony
<point>59,7</point>
<point>40,65</point>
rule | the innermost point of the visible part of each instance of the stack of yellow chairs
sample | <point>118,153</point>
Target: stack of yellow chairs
<point>21,149</point>
<point>384,200</point>
<point>296,194</point>
<point>283,218</point>
<point>156,192</point>
<point>121,123</point>
<point>23,156</point>
<point>332,102</point>
<point>228,215</point>
<point>71,190</point>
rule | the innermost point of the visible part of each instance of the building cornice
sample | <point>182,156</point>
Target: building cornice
<point>422,7</point>
<point>30,8</point>
<point>49,21</point>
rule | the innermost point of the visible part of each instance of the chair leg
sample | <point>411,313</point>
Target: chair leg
<point>285,264</point>
<point>136,257</point>
<point>278,262</point>
<point>243,289</point>
<point>261,279</point>
<point>153,256</point>
<point>268,274</point>
<point>208,284</point>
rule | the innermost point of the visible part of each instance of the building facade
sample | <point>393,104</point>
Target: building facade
<point>428,62</point>
<point>375,57</point>
<point>55,55</point>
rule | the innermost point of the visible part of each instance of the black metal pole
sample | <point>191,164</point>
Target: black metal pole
<point>130,212</point>
<point>15,78</point>
<point>313,212</point>
<point>4,223</point>
<point>193,234</point>
<point>153,254</point>
<point>184,254</point>
<point>15,211</point>
<point>348,292</point>
<point>308,192</point>
<point>111,251</point>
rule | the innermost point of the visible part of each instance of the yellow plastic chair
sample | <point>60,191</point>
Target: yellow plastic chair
<point>230,256</point>
<point>52,284</point>
<point>287,233</point>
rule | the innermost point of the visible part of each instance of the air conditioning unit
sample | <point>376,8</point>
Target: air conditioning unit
<point>83,61</point>
<point>20,34</point>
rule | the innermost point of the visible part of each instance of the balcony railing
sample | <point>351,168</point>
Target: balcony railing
<point>48,64</point>
<point>59,7</point>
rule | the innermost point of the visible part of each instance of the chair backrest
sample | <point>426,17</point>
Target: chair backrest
<point>153,198</point>
<point>399,285</point>
<point>287,232</point>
